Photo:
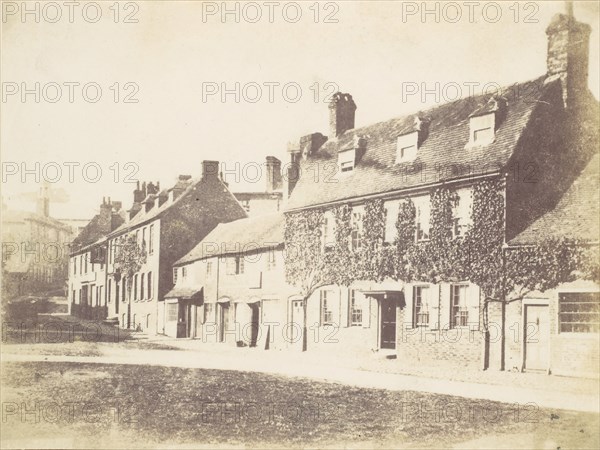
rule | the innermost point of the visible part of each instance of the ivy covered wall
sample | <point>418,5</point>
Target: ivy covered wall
<point>478,256</point>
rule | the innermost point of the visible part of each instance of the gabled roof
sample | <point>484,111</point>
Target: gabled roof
<point>210,187</point>
<point>575,216</point>
<point>444,148</point>
<point>244,235</point>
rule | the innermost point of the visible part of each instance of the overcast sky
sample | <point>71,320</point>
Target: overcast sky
<point>173,54</point>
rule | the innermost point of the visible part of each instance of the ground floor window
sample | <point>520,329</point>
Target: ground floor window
<point>326,311</point>
<point>579,312</point>
<point>172,312</point>
<point>460,314</point>
<point>421,306</point>
<point>356,313</point>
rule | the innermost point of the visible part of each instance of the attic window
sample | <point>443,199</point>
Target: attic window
<point>482,129</point>
<point>408,143</point>
<point>406,149</point>
<point>347,159</point>
<point>349,156</point>
<point>484,122</point>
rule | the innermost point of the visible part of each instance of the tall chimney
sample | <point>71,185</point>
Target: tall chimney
<point>568,54</point>
<point>341,114</point>
<point>210,170</point>
<point>273,174</point>
<point>43,201</point>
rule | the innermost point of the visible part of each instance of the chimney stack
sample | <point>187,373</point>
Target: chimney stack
<point>273,174</point>
<point>307,146</point>
<point>341,114</point>
<point>568,54</point>
<point>43,201</point>
<point>210,170</point>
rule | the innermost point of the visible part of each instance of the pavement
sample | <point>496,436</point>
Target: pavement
<point>544,391</point>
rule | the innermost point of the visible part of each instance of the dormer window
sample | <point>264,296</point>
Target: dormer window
<point>484,122</point>
<point>406,149</point>
<point>482,129</point>
<point>409,142</point>
<point>350,155</point>
<point>347,159</point>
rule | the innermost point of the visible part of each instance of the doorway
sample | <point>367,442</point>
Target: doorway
<point>536,337</point>
<point>388,323</point>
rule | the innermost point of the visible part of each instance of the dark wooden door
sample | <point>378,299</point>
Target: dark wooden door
<point>388,323</point>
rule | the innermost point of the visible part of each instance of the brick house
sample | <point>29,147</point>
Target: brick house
<point>167,224</point>
<point>233,286</point>
<point>533,139</point>
<point>560,326</point>
<point>87,263</point>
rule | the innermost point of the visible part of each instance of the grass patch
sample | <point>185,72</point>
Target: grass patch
<point>139,406</point>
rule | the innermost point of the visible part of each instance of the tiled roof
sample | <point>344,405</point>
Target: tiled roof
<point>211,187</point>
<point>95,230</point>
<point>444,148</point>
<point>253,233</point>
<point>576,214</point>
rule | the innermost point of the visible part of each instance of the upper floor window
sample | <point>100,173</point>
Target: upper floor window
<point>135,287</point>
<point>423,212</point>
<point>459,316</point>
<point>391,217</point>
<point>421,306</point>
<point>149,277</point>
<point>151,239</point>
<point>246,205</point>
<point>235,265</point>
<point>175,275</point>
<point>579,312</point>
<point>357,227</point>
<point>75,266</point>
<point>462,213</point>
<point>142,286</point>
<point>144,236</point>
<point>209,268</point>
<point>328,230</point>
<point>183,273</point>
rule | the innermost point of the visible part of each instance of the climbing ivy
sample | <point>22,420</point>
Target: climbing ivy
<point>478,256</point>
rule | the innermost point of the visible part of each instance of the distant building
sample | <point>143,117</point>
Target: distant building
<point>35,249</point>
<point>271,199</point>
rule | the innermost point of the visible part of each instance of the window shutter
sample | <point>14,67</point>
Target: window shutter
<point>321,312</point>
<point>434,307</point>
<point>408,321</point>
<point>445,302</point>
<point>348,304</point>
<point>473,298</point>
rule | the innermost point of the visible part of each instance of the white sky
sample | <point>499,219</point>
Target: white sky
<point>372,52</point>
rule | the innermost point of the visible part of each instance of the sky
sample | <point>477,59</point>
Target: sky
<point>134,91</point>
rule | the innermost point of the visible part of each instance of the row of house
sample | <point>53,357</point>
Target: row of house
<point>248,281</point>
